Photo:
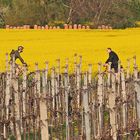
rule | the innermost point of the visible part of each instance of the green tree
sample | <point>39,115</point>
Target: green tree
<point>117,13</point>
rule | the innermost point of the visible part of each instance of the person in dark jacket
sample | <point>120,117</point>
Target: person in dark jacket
<point>113,58</point>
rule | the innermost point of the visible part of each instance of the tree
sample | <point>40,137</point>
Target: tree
<point>117,13</point>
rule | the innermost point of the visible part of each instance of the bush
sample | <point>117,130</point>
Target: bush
<point>1,23</point>
<point>57,23</point>
<point>137,23</point>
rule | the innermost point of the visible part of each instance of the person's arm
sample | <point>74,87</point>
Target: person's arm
<point>12,53</point>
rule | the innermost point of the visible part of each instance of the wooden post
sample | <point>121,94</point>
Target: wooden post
<point>79,26</point>
<point>87,27</point>
<point>24,100</point>
<point>90,74</point>
<point>46,27</point>
<point>113,80</point>
<point>109,75</point>
<point>57,83</point>
<point>7,62</point>
<point>52,94</point>
<point>65,26</point>
<point>24,89</point>
<point>135,69</point>
<point>37,80</point>
<point>86,108</point>
<point>80,63</point>
<point>75,26</point>
<point>119,78</point>
<point>17,108</point>
<point>128,69</point>
<point>137,89</point>
<point>78,84</point>
<point>79,71</point>
<point>124,107</point>
<point>11,70</point>
<point>46,72</point>
<point>67,64</point>
<point>53,85</point>
<point>75,63</point>
<point>90,95</point>
<point>37,94</point>
<point>7,95</point>
<point>67,106</point>
<point>16,101</point>
<point>11,108</point>
<point>58,68</point>
<point>112,98</point>
<point>100,100</point>
<point>70,26</point>
<point>47,82</point>
<point>43,110</point>
<point>7,26</point>
<point>94,117</point>
<point>13,66</point>
<point>119,96</point>
<point>83,27</point>
<point>136,94</point>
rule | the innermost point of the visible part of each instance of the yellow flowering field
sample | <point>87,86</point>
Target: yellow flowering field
<point>49,45</point>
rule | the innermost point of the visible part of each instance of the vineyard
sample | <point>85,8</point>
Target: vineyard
<point>69,69</point>
<point>53,104</point>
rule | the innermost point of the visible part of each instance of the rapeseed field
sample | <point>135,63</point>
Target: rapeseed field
<point>49,45</point>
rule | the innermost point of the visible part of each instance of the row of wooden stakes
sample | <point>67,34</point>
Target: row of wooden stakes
<point>66,26</point>
<point>66,106</point>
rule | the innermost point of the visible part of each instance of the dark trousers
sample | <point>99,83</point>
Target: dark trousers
<point>115,67</point>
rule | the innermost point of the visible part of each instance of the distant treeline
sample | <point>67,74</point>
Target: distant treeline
<point>114,13</point>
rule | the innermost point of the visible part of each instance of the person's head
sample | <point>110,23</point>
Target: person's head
<point>109,50</point>
<point>20,48</point>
